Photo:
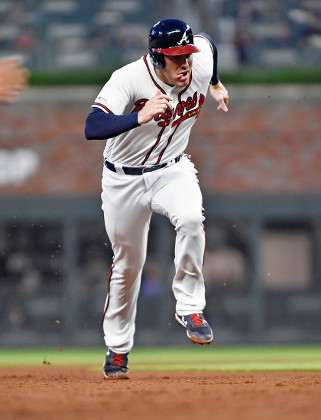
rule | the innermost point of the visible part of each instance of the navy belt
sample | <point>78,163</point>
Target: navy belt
<point>132,170</point>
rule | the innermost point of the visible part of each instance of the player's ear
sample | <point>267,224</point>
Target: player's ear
<point>158,59</point>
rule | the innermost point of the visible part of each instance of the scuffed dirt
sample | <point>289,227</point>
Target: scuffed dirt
<point>80,393</point>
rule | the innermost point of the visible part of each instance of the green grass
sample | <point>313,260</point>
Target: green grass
<point>231,359</point>
<point>250,75</point>
<point>195,358</point>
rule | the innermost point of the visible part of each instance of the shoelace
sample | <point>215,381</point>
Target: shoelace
<point>117,360</point>
<point>197,320</point>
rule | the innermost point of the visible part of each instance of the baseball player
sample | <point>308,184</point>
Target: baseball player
<point>146,111</point>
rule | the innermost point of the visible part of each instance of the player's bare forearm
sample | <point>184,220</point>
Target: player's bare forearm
<point>220,94</point>
<point>156,105</point>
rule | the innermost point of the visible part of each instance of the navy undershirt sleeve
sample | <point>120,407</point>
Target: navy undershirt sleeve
<point>101,125</point>
<point>215,79</point>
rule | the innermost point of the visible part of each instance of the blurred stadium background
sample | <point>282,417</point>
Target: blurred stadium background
<point>259,166</point>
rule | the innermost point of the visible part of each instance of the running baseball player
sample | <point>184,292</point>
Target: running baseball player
<point>145,112</point>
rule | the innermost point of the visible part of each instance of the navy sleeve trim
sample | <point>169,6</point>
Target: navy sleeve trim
<point>101,125</point>
<point>215,79</point>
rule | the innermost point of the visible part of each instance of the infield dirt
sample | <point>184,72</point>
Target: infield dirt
<point>60,393</point>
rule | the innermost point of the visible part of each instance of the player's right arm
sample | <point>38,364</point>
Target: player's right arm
<point>101,125</point>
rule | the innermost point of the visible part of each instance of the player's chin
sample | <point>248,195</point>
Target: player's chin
<point>181,83</point>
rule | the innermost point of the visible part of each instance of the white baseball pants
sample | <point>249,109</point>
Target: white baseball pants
<point>128,202</point>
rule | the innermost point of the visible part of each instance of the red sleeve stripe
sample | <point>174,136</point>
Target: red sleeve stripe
<point>102,106</point>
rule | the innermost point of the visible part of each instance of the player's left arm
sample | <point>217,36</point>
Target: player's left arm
<point>220,94</point>
<point>217,89</point>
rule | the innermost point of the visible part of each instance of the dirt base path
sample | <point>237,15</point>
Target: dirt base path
<point>49,393</point>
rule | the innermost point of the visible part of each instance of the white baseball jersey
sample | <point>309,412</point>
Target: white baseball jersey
<point>166,136</point>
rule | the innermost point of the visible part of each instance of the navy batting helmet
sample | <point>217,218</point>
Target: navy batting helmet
<point>170,37</point>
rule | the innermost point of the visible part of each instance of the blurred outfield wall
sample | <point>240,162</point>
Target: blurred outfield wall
<point>259,168</point>
<point>269,141</point>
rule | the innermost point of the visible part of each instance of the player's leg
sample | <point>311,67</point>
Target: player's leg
<point>127,218</point>
<point>177,195</point>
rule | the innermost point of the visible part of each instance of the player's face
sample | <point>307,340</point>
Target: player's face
<point>177,70</point>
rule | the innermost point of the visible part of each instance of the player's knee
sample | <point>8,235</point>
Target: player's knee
<point>190,224</point>
<point>129,266</point>
<point>127,273</point>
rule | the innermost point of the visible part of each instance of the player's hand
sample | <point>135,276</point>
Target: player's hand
<point>220,94</point>
<point>12,79</point>
<point>156,105</point>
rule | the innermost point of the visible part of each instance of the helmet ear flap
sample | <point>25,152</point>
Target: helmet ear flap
<point>158,59</point>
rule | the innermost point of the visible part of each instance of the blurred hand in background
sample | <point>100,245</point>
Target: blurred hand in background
<point>13,79</point>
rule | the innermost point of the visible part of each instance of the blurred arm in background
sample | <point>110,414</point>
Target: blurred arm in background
<point>12,79</point>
